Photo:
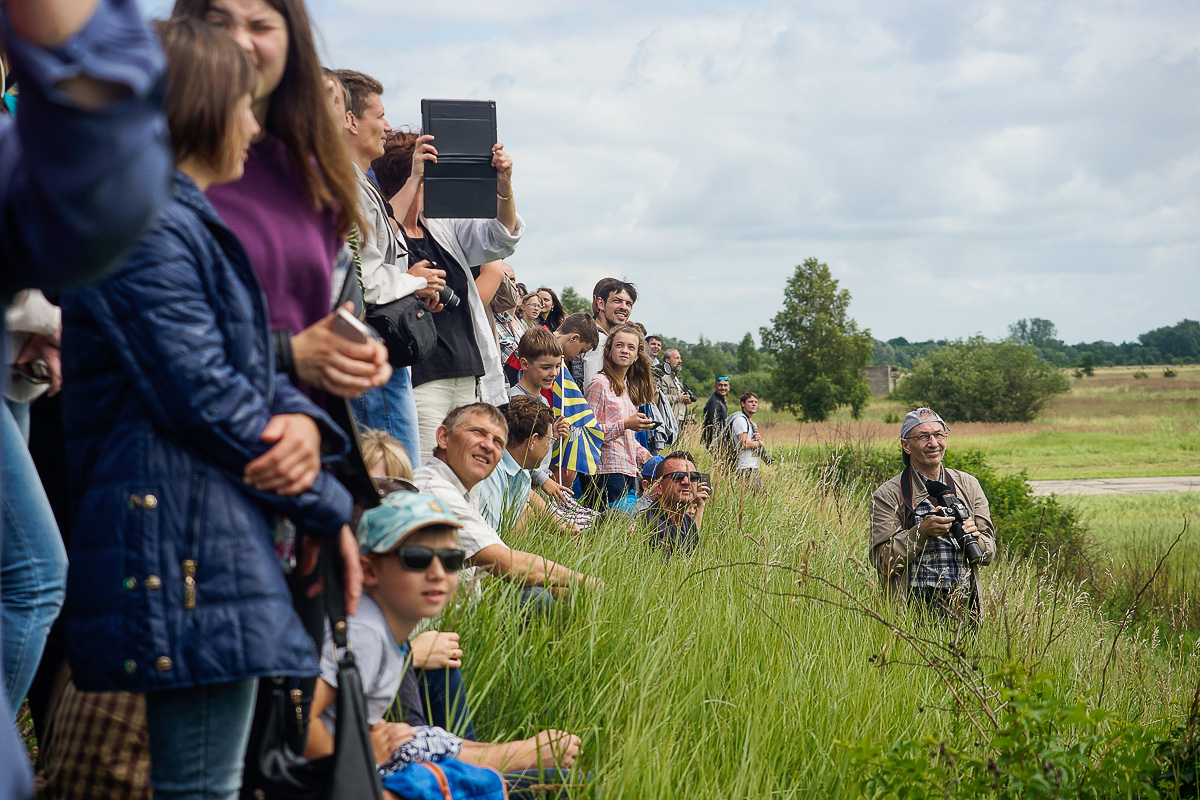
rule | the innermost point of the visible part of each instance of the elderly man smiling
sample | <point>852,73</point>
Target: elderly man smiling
<point>912,544</point>
<point>470,443</point>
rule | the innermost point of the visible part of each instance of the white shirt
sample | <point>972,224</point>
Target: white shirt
<point>437,479</point>
<point>739,424</point>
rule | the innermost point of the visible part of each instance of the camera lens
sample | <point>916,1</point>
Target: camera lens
<point>449,298</point>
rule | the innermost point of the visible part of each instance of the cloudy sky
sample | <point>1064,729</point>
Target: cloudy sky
<point>959,165</point>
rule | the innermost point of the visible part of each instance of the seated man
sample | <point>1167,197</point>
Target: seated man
<point>912,545</point>
<point>505,499</point>
<point>470,443</point>
<point>410,555</point>
<point>675,515</point>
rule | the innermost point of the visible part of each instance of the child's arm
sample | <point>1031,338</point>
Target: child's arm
<point>320,740</point>
<point>386,737</point>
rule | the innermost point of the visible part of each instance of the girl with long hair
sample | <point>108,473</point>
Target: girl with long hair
<point>181,451</point>
<point>553,312</point>
<point>298,200</point>
<point>623,383</point>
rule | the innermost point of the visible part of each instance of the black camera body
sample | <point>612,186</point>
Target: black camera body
<point>953,507</point>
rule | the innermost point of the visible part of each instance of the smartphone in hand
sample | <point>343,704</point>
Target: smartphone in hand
<point>349,327</point>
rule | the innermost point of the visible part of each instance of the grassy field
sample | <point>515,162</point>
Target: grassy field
<point>1111,425</point>
<point>1116,521</point>
<point>713,676</point>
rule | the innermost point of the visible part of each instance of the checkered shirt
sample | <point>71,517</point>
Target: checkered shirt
<point>940,564</point>
<point>620,450</point>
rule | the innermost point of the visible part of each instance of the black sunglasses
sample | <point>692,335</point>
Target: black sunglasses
<point>678,477</point>
<point>418,559</point>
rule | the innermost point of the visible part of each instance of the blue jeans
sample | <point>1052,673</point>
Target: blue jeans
<point>445,700</point>
<point>33,561</point>
<point>391,408</point>
<point>602,490</point>
<point>198,738</point>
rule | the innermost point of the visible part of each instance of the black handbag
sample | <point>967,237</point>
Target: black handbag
<point>275,766</point>
<point>407,328</point>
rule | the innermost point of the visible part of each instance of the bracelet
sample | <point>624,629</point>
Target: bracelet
<point>502,197</point>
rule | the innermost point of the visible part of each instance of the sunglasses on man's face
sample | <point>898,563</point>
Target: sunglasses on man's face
<point>418,559</point>
<point>678,477</point>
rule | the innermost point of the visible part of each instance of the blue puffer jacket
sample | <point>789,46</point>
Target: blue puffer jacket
<point>168,385</point>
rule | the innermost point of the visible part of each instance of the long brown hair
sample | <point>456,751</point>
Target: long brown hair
<point>637,379</point>
<point>298,115</point>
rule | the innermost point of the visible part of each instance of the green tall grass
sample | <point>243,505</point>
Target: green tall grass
<point>710,676</point>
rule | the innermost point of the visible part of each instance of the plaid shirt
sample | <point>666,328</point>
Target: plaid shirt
<point>941,563</point>
<point>620,451</point>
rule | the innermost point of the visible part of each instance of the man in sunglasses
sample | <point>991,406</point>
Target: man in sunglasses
<point>675,515</point>
<point>912,543</point>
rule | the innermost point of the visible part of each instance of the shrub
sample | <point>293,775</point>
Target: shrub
<point>1140,374</point>
<point>981,381</point>
<point>1045,742</point>
<point>1168,373</point>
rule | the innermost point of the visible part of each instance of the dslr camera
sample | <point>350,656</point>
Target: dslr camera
<point>953,507</point>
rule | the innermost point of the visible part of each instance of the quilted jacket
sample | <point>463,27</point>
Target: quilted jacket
<point>168,385</point>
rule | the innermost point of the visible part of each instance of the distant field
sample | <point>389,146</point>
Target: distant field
<point>1109,426</point>
<point>1117,521</point>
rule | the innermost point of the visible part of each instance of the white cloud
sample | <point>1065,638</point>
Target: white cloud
<point>1025,159</point>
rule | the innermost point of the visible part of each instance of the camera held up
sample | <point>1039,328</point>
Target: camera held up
<point>953,507</point>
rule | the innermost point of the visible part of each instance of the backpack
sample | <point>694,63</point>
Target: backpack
<point>725,444</point>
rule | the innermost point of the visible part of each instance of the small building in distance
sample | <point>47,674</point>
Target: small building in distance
<point>881,380</point>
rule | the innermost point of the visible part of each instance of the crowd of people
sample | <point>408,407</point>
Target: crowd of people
<point>237,458</point>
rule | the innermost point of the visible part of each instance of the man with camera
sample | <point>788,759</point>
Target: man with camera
<point>676,512</point>
<point>670,383</point>
<point>931,530</point>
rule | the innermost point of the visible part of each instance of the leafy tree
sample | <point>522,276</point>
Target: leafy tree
<point>820,352</point>
<point>1087,364</point>
<point>981,381</point>
<point>574,302</point>
<point>747,354</point>
<point>1037,332</point>
<point>1181,340</point>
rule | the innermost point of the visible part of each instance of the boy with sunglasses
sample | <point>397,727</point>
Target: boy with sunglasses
<point>675,515</point>
<point>410,561</point>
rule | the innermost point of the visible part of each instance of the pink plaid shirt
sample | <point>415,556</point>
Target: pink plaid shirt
<point>620,451</point>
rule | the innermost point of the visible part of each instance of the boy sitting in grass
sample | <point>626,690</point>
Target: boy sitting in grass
<point>410,560</point>
<point>505,499</point>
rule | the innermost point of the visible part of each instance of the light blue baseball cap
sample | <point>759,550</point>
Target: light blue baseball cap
<point>398,515</point>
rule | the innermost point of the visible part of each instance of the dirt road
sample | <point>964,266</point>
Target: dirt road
<point>1117,486</point>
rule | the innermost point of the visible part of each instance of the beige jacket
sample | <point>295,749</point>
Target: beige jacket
<point>894,547</point>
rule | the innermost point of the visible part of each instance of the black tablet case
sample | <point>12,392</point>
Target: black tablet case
<point>462,184</point>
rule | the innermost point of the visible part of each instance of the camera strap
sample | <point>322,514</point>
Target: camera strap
<point>906,491</point>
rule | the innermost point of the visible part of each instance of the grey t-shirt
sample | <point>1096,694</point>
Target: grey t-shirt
<point>380,661</point>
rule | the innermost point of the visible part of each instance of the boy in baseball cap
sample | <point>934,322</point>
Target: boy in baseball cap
<point>410,560</point>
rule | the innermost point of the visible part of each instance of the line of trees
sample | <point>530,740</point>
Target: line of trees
<point>1174,344</point>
